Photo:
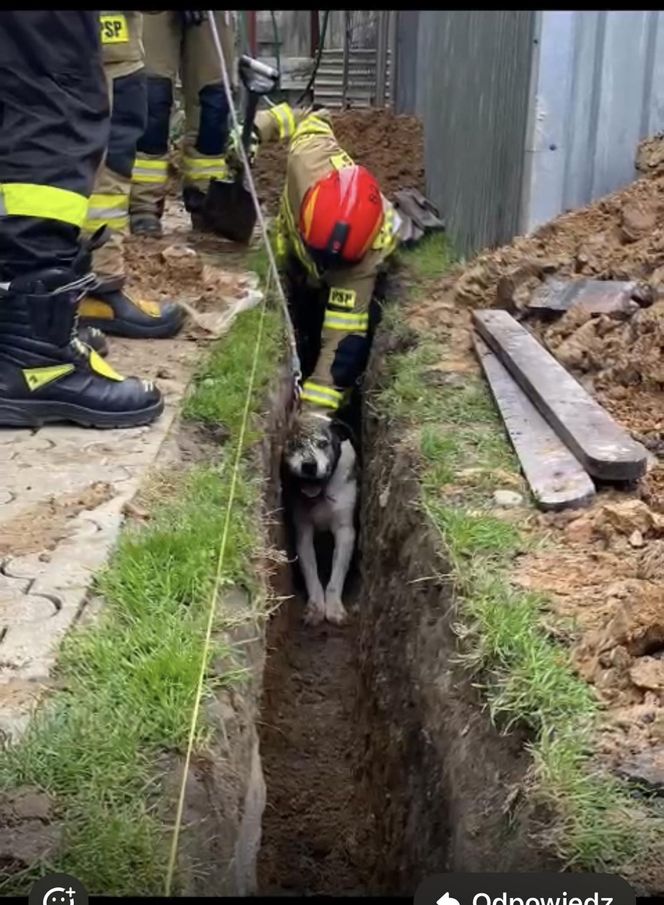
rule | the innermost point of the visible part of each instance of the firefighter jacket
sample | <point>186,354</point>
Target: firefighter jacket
<point>313,153</point>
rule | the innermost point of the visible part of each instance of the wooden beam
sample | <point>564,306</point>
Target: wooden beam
<point>557,480</point>
<point>602,447</point>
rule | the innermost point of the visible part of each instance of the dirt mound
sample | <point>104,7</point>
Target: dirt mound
<point>387,144</point>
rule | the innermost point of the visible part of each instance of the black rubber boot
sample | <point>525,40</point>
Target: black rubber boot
<point>48,375</point>
<point>145,225</point>
<point>118,313</point>
<point>95,339</point>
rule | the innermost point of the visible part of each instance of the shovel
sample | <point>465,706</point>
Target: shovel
<point>229,208</point>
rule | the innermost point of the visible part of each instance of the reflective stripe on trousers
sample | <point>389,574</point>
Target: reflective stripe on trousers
<point>319,394</point>
<point>24,199</point>
<point>204,168</point>
<point>107,210</point>
<point>150,171</point>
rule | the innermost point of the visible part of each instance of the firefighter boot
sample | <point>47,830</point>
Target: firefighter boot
<point>145,225</point>
<point>47,374</point>
<point>114,310</point>
<point>95,339</point>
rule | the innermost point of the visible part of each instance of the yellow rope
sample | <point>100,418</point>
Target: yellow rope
<point>213,602</point>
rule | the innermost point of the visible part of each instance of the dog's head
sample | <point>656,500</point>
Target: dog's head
<point>312,452</point>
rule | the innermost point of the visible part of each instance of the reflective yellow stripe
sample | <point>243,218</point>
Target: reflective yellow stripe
<point>114,29</point>
<point>137,176</point>
<point>319,394</point>
<point>196,168</point>
<point>196,162</point>
<point>152,171</point>
<point>109,210</point>
<point>40,377</point>
<point>285,120</point>
<point>24,199</point>
<point>347,321</point>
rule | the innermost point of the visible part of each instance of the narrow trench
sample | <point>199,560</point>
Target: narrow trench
<point>317,834</point>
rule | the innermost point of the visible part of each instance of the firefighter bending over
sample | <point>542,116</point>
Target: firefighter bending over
<point>336,230</point>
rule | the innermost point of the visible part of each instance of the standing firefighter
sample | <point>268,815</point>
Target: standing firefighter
<point>334,233</point>
<point>179,40</point>
<point>54,127</point>
<point>110,306</point>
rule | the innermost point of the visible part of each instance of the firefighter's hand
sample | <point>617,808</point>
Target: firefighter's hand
<point>234,153</point>
<point>193,16</point>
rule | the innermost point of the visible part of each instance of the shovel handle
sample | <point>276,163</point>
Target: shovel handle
<point>249,117</point>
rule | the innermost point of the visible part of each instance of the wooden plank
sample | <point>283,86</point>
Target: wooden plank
<point>593,296</point>
<point>602,447</point>
<point>556,478</point>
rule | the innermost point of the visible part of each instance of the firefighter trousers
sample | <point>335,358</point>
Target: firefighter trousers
<point>54,127</point>
<point>109,203</point>
<point>171,48</point>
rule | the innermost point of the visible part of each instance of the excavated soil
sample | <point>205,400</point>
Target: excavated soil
<point>387,144</point>
<point>602,569</point>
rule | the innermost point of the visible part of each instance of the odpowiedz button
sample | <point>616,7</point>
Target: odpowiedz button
<point>58,889</point>
<point>524,889</point>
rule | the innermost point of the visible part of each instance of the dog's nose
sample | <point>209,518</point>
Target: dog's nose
<point>309,469</point>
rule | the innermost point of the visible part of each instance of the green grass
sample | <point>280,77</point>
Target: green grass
<point>526,676</point>
<point>129,680</point>
<point>432,256</point>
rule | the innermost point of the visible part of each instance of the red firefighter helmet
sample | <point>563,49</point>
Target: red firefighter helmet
<point>341,215</point>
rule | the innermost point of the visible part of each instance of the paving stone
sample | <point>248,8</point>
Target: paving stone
<point>601,446</point>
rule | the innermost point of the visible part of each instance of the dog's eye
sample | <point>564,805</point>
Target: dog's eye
<point>322,444</point>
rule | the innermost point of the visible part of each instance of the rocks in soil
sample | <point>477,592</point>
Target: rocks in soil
<point>648,672</point>
<point>28,833</point>
<point>507,498</point>
<point>646,769</point>
<point>181,260</point>
<point>637,221</point>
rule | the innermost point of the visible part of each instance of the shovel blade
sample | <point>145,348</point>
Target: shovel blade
<point>230,211</point>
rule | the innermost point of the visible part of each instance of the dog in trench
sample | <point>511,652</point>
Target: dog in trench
<point>320,468</point>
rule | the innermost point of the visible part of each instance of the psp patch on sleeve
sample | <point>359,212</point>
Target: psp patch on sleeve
<point>343,298</point>
<point>114,29</point>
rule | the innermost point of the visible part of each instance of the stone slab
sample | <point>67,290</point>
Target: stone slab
<point>592,296</point>
<point>556,478</point>
<point>602,447</point>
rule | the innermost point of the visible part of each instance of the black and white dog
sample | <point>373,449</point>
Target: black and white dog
<point>320,465</point>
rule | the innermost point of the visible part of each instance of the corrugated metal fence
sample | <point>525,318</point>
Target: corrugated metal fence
<point>528,114</point>
<point>472,75</point>
<point>599,90</point>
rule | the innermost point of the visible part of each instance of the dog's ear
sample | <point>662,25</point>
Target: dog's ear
<point>342,430</point>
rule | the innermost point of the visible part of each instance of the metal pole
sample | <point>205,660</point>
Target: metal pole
<point>392,58</point>
<point>314,32</point>
<point>253,43</point>
<point>381,57</point>
<point>346,64</point>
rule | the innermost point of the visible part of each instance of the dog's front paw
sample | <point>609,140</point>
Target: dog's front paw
<point>314,612</point>
<point>335,611</point>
